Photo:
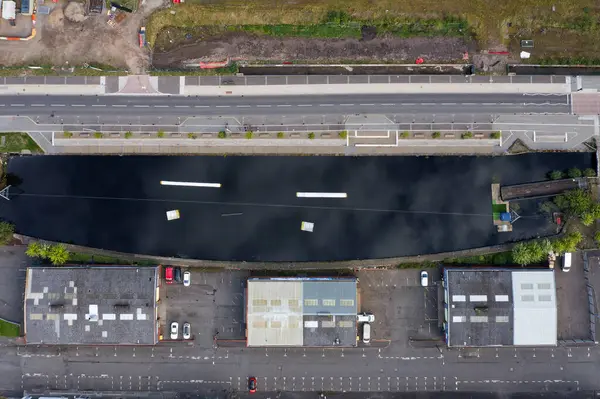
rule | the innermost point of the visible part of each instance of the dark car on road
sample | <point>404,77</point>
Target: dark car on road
<point>178,275</point>
<point>252,384</point>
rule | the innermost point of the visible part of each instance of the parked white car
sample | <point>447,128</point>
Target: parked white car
<point>187,331</point>
<point>174,330</point>
<point>424,278</point>
<point>187,279</point>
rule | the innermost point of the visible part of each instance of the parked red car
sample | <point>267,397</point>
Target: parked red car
<point>169,274</point>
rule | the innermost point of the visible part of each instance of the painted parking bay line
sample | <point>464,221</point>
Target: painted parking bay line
<point>320,195</point>
<point>189,184</point>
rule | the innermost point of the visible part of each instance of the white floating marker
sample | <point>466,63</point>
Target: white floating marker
<point>321,195</point>
<point>307,226</point>
<point>189,184</point>
<point>172,215</point>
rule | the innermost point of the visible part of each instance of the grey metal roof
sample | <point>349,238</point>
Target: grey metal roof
<point>487,307</point>
<point>91,305</point>
<point>473,321</point>
<point>301,312</point>
<point>334,297</point>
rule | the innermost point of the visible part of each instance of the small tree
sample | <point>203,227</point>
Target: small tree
<point>192,136</point>
<point>556,175</point>
<point>311,135</point>
<point>58,254</point>
<point>128,135</point>
<point>597,238</point>
<point>404,135</point>
<point>343,134</point>
<point>249,134</point>
<point>98,135</point>
<point>37,250</point>
<point>522,254</point>
<point>6,232</point>
<point>222,134</point>
<point>567,243</point>
<point>160,134</point>
<point>495,135</point>
<point>280,135</point>
<point>587,219</point>
<point>436,135</point>
<point>67,134</point>
<point>574,173</point>
<point>589,172</point>
<point>466,135</point>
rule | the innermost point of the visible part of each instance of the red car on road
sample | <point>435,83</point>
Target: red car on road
<point>169,274</point>
<point>252,384</point>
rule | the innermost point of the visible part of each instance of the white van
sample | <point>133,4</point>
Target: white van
<point>566,266</point>
<point>366,333</point>
<point>365,318</point>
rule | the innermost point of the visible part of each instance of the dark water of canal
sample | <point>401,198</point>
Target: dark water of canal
<point>395,206</point>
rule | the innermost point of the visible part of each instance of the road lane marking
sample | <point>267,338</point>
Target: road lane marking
<point>17,105</point>
<point>189,184</point>
<point>284,105</point>
<point>118,105</point>
<point>141,106</point>
<point>161,106</point>
<point>200,106</point>
<point>182,106</point>
<point>305,105</point>
<point>325,105</point>
<point>320,195</point>
<point>38,105</point>
<point>77,105</point>
<point>57,105</point>
<point>98,105</point>
<point>366,104</point>
<point>387,104</point>
<point>222,106</point>
<point>242,106</point>
<point>346,105</point>
<point>263,106</point>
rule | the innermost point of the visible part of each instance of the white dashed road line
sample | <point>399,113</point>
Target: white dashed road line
<point>242,106</point>
<point>201,106</point>
<point>118,105</point>
<point>98,105</point>
<point>38,105</point>
<point>305,105</point>
<point>141,106</point>
<point>263,106</point>
<point>182,106</point>
<point>57,105</point>
<point>161,106</point>
<point>78,105</point>
<point>222,106</point>
<point>17,105</point>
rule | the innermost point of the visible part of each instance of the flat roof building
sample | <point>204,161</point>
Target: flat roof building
<point>301,312</point>
<point>499,307</point>
<point>91,305</point>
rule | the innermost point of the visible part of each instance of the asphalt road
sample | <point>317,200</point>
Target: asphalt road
<point>187,368</point>
<point>35,105</point>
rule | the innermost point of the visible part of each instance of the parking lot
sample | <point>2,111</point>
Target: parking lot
<point>13,263</point>
<point>213,305</point>
<point>572,303</point>
<point>403,309</point>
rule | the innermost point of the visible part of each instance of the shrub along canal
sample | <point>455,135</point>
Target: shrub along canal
<point>394,206</point>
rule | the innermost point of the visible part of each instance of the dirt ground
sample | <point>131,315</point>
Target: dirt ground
<point>60,41</point>
<point>249,47</point>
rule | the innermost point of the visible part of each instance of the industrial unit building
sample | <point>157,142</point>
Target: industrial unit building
<point>91,305</point>
<point>497,307</point>
<point>313,312</point>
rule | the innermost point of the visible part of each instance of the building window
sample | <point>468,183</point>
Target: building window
<point>311,302</point>
<point>293,303</point>
<point>259,302</point>
<point>328,302</point>
<point>275,302</point>
<point>346,302</point>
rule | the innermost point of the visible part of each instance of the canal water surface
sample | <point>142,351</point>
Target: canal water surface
<point>395,206</point>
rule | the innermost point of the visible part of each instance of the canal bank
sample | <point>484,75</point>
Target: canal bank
<point>394,206</point>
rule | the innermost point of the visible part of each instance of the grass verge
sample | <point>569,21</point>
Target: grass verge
<point>500,258</point>
<point>15,142</point>
<point>9,329</point>
<point>82,258</point>
<point>47,70</point>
